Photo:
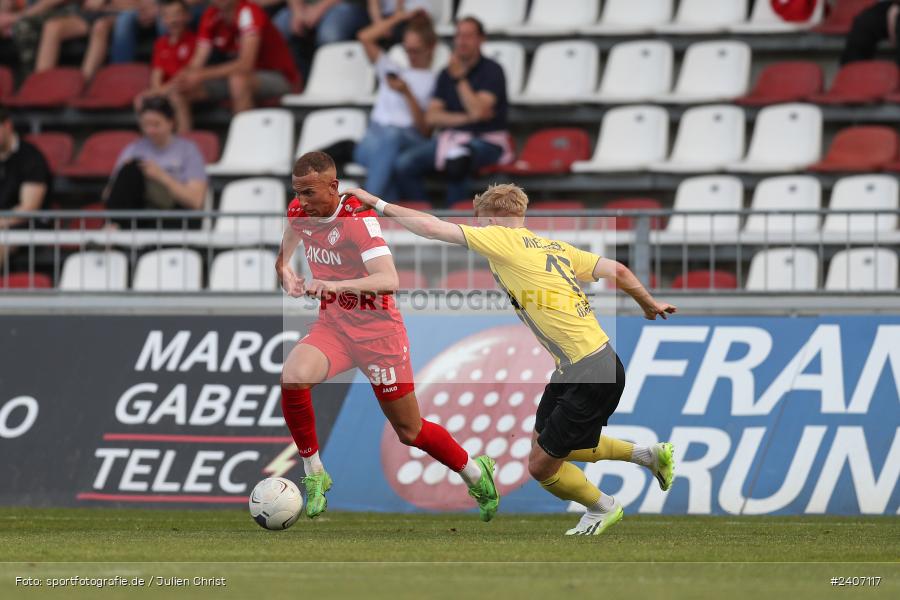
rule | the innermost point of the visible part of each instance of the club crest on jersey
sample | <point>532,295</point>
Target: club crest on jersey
<point>333,236</point>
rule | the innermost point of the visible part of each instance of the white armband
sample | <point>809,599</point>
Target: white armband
<point>380,206</point>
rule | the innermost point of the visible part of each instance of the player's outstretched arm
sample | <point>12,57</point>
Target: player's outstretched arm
<point>628,283</point>
<point>420,223</point>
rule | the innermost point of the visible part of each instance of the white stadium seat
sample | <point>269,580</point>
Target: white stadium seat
<point>861,269</point>
<point>562,73</point>
<point>438,61</point>
<point>765,20</point>
<point>627,17</point>
<point>510,56</point>
<point>260,142</point>
<point>705,16</point>
<point>708,139</point>
<point>711,72</point>
<point>708,193</point>
<point>783,270</point>
<point>257,195</point>
<point>442,14</point>
<point>863,193</point>
<point>787,137</point>
<point>169,270</point>
<point>322,128</point>
<point>635,72</point>
<point>630,139</point>
<point>556,17</point>
<point>95,271</point>
<point>340,74</point>
<point>247,270</point>
<point>495,15</point>
<point>788,192</point>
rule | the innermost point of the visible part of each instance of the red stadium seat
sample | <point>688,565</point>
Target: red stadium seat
<point>114,86</point>
<point>48,89</point>
<point>98,154</point>
<point>704,280</point>
<point>865,148</point>
<point>389,223</point>
<point>55,146</point>
<point>25,281</point>
<point>6,83</point>
<point>86,223</point>
<point>628,223</point>
<point>790,81</point>
<point>476,279</point>
<point>411,280</point>
<point>538,217</point>
<point>861,83</point>
<point>207,142</point>
<point>550,151</point>
<point>841,17</point>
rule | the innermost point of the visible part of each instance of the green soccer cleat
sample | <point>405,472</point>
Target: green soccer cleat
<point>485,492</point>
<point>664,464</point>
<point>316,486</point>
<point>597,523</point>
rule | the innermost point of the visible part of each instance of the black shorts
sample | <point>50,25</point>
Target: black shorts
<point>577,403</point>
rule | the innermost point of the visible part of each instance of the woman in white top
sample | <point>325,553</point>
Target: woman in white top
<point>398,116</point>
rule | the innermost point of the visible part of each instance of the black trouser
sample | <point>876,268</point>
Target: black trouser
<point>869,28</point>
<point>128,191</point>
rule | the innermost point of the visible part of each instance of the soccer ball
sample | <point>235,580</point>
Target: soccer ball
<point>275,503</point>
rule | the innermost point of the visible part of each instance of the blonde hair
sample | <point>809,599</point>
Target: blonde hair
<point>502,199</point>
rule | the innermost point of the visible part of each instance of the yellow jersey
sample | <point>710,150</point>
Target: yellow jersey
<point>541,276</point>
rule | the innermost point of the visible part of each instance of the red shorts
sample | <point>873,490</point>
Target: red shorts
<point>384,361</point>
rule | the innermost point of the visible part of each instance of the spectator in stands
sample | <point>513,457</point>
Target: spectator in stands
<point>239,55</point>
<point>24,20</point>
<point>383,9</point>
<point>25,177</point>
<point>397,121</point>
<point>172,52</point>
<point>872,25</point>
<point>144,22</point>
<point>469,107</point>
<point>329,20</point>
<point>160,171</point>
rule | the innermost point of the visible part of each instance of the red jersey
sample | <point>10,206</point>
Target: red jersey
<point>224,36</point>
<point>172,57</point>
<point>337,248</point>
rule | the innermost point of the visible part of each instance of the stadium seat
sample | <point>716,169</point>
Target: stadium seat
<point>7,83</point>
<point>840,19</point>
<point>785,193</point>
<point>510,56</point>
<point>556,17</point>
<point>861,82</point>
<point>207,142</point>
<point>550,151</point>
<point>707,193</point>
<point>410,279</point>
<point>702,16</point>
<point>98,154</point>
<point>495,15</point>
<point>114,87</point>
<point>709,138</point>
<point>442,14</point>
<point>323,128</point>
<point>636,72</point>
<point>705,280</point>
<point>475,279</point>
<point>790,81</point>
<point>48,89</point>
<point>438,61</point>
<point>169,270</point>
<point>763,19</point>
<point>340,74</point>
<point>540,216</point>
<point>783,270</point>
<point>562,73</point>
<point>247,270</point>
<point>86,223</point>
<point>787,137</point>
<point>260,142</point>
<point>255,195</point>
<point>628,223</point>
<point>711,72</point>
<point>56,147</point>
<point>863,148</point>
<point>25,281</point>
<point>95,271</point>
<point>626,17</point>
<point>863,193</point>
<point>862,269</point>
<point>631,138</point>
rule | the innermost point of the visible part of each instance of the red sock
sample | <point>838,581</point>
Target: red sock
<point>436,441</point>
<point>296,405</point>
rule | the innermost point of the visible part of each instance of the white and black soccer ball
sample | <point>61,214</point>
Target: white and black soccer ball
<point>275,503</point>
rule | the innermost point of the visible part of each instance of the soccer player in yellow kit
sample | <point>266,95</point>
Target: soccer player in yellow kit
<point>541,276</point>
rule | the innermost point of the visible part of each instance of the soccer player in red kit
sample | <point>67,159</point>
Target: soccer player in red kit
<point>359,326</point>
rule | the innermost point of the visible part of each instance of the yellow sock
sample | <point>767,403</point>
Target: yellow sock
<point>569,483</point>
<point>607,448</point>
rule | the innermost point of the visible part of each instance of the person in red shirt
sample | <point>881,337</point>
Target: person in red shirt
<point>172,52</point>
<point>240,54</point>
<point>359,326</point>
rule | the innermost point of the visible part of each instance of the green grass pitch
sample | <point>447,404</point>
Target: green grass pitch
<point>425,556</point>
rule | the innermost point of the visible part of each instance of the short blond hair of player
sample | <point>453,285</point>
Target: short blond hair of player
<point>585,388</point>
